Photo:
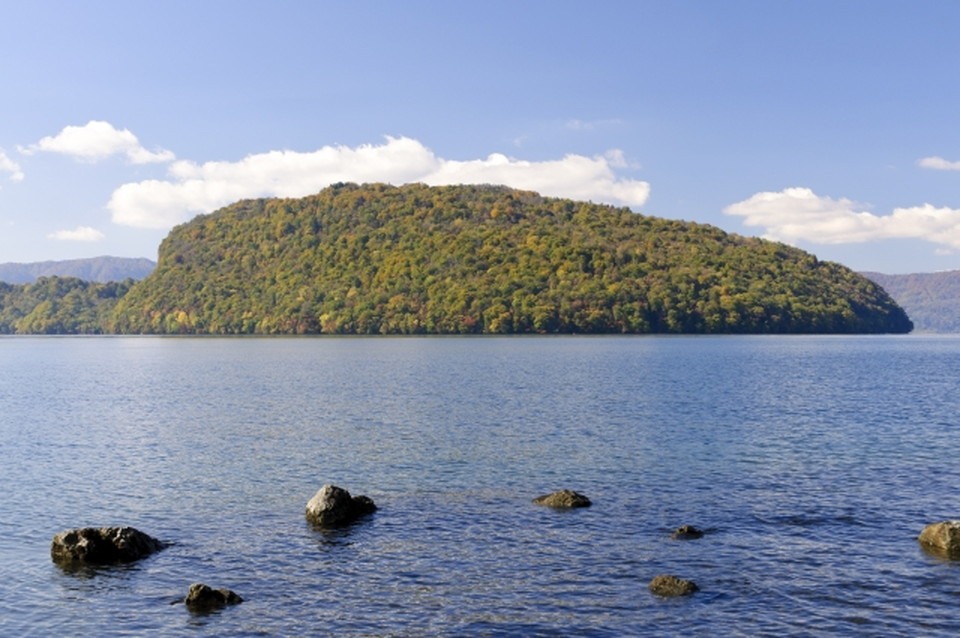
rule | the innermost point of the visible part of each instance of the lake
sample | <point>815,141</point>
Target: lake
<point>812,463</point>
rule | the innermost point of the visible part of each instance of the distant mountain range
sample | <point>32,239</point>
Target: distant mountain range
<point>98,269</point>
<point>932,300</point>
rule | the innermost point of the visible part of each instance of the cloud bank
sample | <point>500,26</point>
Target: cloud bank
<point>97,140</point>
<point>796,214</point>
<point>81,233</point>
<point>193,188</point>
<point>938,164</point>
<point>7,165</point>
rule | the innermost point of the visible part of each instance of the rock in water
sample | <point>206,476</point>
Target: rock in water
<point>670,586</point>
<point>333,506</point>
<point>563,499</point>
<point>205,598</point>
<point>686,532</point>
<point>102,546</point>
<point>942,538</point>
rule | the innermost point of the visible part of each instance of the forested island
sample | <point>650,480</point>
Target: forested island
<point>380,259</point>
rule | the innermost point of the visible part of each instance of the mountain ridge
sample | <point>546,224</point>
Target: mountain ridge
<point>932,300</point>
<point>101,269</point>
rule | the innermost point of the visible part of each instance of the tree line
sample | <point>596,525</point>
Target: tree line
<point>379,259</point>
<point>59,305</point>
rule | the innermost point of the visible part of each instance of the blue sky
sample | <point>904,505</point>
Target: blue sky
<point>832,126</point>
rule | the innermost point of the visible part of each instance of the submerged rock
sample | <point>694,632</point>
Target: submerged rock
<point>687,532</point>
<point>102,546</point>
<point>333,506</point>
<point>205,598</point>
<point>563,499</point>
<point>669,586</point>
<point>942,538</point>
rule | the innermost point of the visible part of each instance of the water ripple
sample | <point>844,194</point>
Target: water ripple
<point>799,457</point>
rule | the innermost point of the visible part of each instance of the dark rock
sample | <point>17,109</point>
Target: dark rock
<point>687,532</point>
<point>333,506</point>
<point>563,499</point>
<point>204,598</point>
<point>669,586</point>
<point>942,538</point>
<point>102,546</point>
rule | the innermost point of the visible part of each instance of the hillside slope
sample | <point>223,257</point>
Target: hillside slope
<point>931,299</point>
<point>482,259</point>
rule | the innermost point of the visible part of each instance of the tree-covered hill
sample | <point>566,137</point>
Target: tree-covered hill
<point>415,259</point>
<point>58,305</point>
<point>931,299</point>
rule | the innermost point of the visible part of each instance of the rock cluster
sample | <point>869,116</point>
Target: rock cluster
<point>102,546</point>
<point>333,506</point>
<point>667,585</point>
<point>942,538</point>
<point>563,499</point>
<point>205,598</point>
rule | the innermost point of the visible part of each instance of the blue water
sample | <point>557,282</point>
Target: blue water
<point>811,462</point>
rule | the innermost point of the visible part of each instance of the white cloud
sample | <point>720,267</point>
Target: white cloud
<point>80,233</point>
<point>938,164</point>
<point>97,140</point>
<point>7,165</point>
<point>574,176</point>
<point>195,188</point>
<point>800,214</point>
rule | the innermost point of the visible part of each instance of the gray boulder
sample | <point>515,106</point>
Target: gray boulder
<point>102,546</point>
<point>563,499</point>
<point>670,586</point>
<point>333,506</point>
<point>205,598</point>
<point>942,538</point>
